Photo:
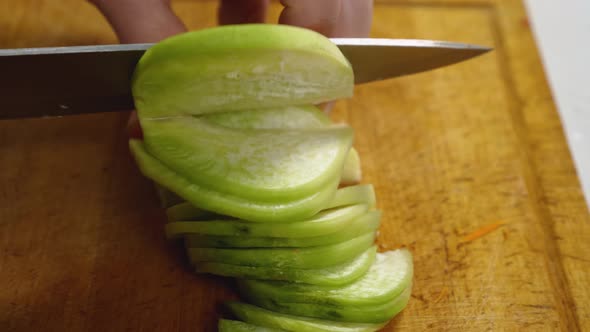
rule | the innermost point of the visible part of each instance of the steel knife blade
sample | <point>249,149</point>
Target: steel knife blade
<point>58,81</point>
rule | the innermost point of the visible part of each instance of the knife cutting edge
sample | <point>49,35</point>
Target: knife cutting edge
<point>58,81</point>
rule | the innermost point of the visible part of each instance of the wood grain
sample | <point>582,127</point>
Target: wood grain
<point>449,151</point>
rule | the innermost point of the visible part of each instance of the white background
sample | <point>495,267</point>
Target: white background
<point>562,31</point>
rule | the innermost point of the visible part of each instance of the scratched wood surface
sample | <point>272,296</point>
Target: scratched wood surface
<point>449,151</point>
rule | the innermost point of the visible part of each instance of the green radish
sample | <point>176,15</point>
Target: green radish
<point>179,210</point>
<point>241,162</point>
<point>259,316</point>
<point>228,127</point>
<point>387,278</point>
<point>167,198</point>
<point>226,325</point>
<point>300,258</point>
<point>186,211</point>
<point>239,67</point>
<point>336,275</point>
<point>293,117</point>
<point>220,203</point>
<point>352,171</point>
<point>376,313</point>
<point>323,223</point>
<point>289,117</point>
<point>362,193</point>
<point>358,194</point>
<point>361,225</point>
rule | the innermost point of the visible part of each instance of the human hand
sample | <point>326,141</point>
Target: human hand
<point>142,21</point>
<point>148,21</point>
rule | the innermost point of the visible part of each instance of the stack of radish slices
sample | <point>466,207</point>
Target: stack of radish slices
<point>267,185</point>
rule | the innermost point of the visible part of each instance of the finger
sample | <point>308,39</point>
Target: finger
<point>356,18</point>
<point>333,18</point>
<point>320,16</point>
<point>242,11</point>
<point>140,21</point>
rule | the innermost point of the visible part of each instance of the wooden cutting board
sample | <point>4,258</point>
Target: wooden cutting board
<point>453,153</point>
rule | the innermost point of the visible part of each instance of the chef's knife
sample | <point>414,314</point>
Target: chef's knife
<point>57,81</point>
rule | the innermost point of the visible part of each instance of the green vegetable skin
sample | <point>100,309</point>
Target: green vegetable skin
<point>248,171</point>
<point>364,193</point>
<point>377,296</point>
<point>358,194</point>
<point>187,211</point>
<point>378,313</point>
<point>226,325</point>
<point>323,223</point>
<point>361,225</point>
<point>259,316</point>
<point>386,279</point>
<point>337,275</point>
<point>300,258</point>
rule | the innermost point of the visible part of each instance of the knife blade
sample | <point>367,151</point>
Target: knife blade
<point>58,81</point>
